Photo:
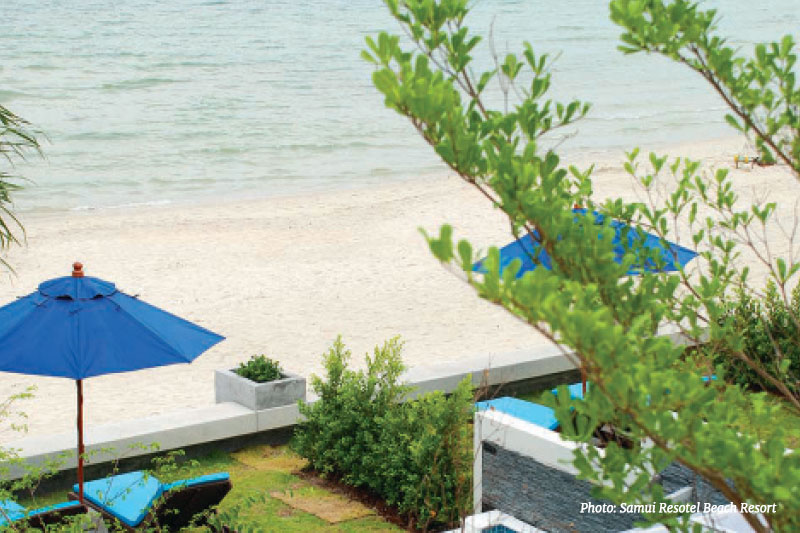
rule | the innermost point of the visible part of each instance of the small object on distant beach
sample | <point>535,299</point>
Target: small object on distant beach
<point>752,160</point>
<point>744,159</point>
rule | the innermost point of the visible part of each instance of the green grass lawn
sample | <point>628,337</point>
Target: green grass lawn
<point>284,502</point>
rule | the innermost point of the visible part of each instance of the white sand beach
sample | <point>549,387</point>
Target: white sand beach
<point>284,276</point>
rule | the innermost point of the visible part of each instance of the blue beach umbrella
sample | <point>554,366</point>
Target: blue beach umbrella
<point>77,327</point>
<point>626,239</point>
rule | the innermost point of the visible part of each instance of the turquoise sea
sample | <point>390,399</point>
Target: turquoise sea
<point>148,102</point>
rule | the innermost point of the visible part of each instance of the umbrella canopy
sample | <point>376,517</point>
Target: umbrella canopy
<point>626,239</point>
<point>78,327</point>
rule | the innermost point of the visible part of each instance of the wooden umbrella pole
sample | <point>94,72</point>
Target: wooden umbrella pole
<point>77,272</point>
<point>80,440</point>
<point>583,380</point>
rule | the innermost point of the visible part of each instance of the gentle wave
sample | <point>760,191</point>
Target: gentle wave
<point>42,67</point>
<point>671,114</point>
<point>184,181</point>
<point>8,96</point>
<point>152,203</point>
<point>178,64</point>
<point>143,83</point>
<point>103,135</point>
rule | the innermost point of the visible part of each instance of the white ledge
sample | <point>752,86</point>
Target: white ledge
<point>179,429</point>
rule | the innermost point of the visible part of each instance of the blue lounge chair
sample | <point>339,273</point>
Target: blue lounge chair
<point>137,500</point>
<point>42,518</point>
<point>575,390</point>
<point>527,411</point>
<point>535,413</point>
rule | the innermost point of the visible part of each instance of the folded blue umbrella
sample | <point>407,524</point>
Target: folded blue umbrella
<point>78,327</point>
<point>626,239</point>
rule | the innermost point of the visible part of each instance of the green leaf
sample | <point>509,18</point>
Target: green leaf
<point>731,120</point>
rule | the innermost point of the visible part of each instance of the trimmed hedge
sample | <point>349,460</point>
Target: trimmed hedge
<point>769,335</point>
<point>416,455</point>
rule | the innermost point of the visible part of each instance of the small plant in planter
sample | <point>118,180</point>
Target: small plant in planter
<point>259,383</point>
<point>260,368</point>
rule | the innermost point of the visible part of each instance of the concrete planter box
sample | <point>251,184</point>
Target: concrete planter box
<point>231,387</point>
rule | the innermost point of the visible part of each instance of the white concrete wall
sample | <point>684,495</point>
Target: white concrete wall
<point>524,438</point>
<point>131,438</point>
<point>229,420</point>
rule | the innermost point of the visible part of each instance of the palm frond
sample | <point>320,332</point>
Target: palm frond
<point>17,141</point>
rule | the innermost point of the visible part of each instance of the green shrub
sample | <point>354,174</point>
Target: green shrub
<point>416,455</point>
<point>769,335</point>
<point>260,369</point>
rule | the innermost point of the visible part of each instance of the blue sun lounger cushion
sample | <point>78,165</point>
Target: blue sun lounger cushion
<point>12,510</point>
<point>15,511</point>
<point>527,411</point>
<point>575,390</point>
<point>130,497</point>
<point>209,478</point>
<point>127,497</point>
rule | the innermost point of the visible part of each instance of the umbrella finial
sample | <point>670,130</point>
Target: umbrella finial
<point>77,269</point>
